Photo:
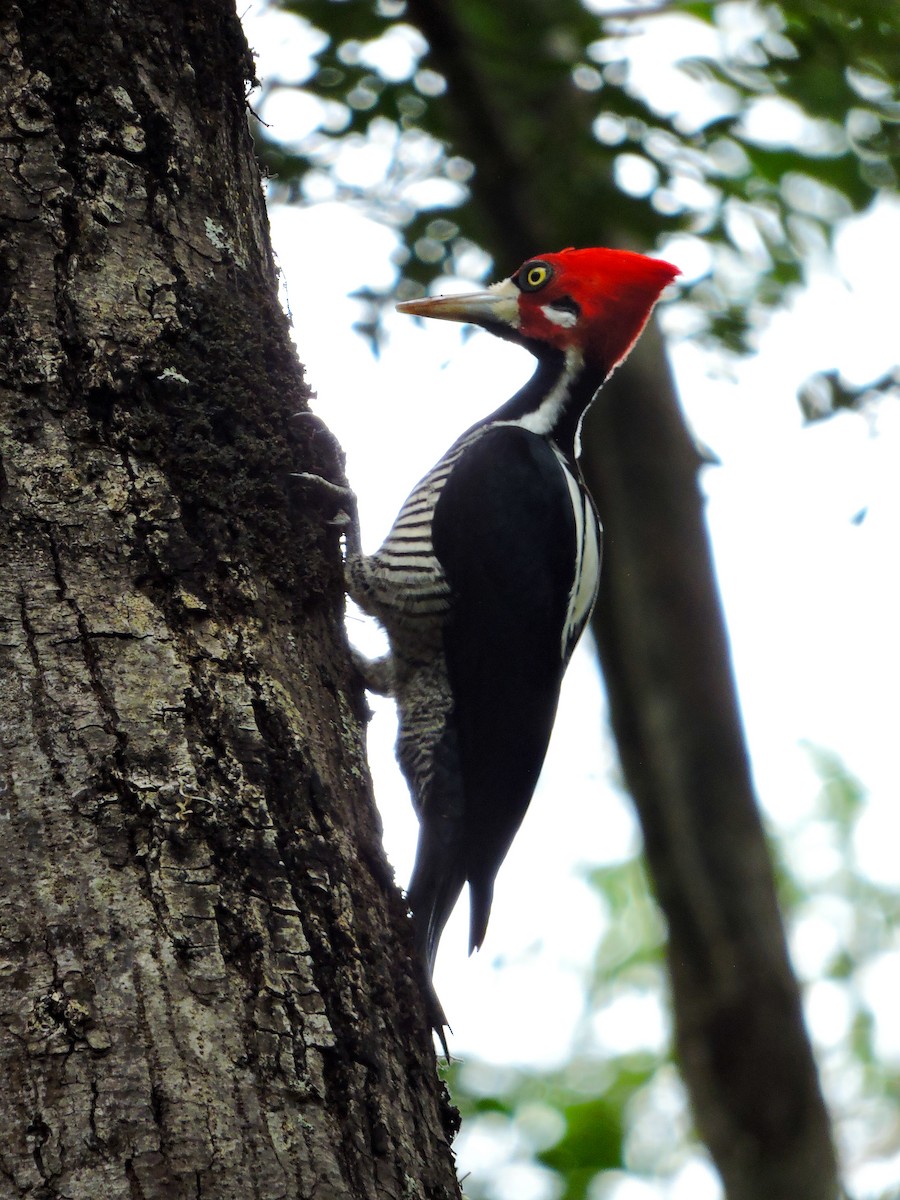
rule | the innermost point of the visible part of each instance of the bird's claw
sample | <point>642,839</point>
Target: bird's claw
<point>336,491</point>
<point>345,518</point>
<point>376,674</point>
<point>320,430</point>
<point>438,1021</point>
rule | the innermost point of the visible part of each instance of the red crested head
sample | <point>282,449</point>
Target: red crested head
<point>596,301</point>
<point>591,302</point>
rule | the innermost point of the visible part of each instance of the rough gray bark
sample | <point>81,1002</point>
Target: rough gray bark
<point>540,184</point>
<point>206,986</point>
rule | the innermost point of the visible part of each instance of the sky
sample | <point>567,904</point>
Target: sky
<point>810,592</point>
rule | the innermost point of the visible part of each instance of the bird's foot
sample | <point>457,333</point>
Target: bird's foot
<point>377,674</point>
<point>342,500</point>
<point>320,432</point>
<point>436,1017</point>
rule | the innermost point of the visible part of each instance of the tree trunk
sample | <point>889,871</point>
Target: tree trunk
<point>206,981</point>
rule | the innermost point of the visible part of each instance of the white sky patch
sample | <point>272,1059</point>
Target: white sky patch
<point>291,115</point>
<point>774,121</point>
<point>875,842</point>
<point>632,1022</point>
<point>819,935</point>
<point>634,174</point>
<point>616,1185</point>
<point>828,1011</point>
<point>697,1180</point>
<point>881,987</point>
<point>666,85</point>
<point>283,43</point>
<point>395,55</point>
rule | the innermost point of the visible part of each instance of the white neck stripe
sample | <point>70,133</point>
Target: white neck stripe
<point>545,418</point>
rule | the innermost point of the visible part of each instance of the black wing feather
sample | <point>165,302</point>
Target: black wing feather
<point>504,534</point>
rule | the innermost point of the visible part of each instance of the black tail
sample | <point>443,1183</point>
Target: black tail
<point>434,888</point>
<point>433,891</point>
<point>481,895</point>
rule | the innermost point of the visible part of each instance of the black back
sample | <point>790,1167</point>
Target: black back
<point>504,534</point>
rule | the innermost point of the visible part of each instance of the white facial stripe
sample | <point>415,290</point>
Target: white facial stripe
<point>509,310</point>
<point>560,316</point>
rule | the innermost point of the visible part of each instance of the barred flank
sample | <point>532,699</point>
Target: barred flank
<point>404,573</point>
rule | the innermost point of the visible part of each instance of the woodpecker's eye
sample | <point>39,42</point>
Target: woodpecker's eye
<point>533,276</point>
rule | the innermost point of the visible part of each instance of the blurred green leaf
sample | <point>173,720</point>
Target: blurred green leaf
<point>827,393</point>
<point>592,1143</point>
<point>602,1104</point>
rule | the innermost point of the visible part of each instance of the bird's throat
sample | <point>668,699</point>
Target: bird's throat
<point>555,399</point>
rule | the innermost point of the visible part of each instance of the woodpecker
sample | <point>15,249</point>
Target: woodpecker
<point>488,576</point>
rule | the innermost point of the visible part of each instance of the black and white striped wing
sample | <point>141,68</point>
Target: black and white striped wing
<point>404,573</point>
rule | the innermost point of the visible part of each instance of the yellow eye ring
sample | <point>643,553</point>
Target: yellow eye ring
<point>533,276</point>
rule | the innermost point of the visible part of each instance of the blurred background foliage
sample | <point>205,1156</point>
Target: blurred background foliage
<point>601,1119</point>
<point>490,119</point>
<point>487,118</point>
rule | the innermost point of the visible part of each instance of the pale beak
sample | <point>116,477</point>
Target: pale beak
<point>499,306</point>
